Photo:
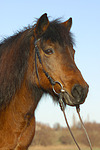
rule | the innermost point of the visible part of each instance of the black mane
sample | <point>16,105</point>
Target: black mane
<point>14,53</point>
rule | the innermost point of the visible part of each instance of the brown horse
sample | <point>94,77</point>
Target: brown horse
<point>38,60</point>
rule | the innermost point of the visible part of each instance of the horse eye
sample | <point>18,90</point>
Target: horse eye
<point>49,51</point>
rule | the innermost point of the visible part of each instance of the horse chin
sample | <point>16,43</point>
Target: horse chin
<point>70,100</point>
<point>67,99</point>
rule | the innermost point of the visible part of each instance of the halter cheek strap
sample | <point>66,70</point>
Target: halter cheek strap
<point>37,55</point>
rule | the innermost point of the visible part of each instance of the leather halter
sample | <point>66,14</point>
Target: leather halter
<point>51,80</point>
<point>37,54</point>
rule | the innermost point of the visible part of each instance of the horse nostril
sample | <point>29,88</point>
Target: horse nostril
<point>79,93</point>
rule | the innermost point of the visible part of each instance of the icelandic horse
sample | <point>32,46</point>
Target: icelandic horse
<point>37,60</point>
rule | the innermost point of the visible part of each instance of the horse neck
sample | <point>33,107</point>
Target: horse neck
<point>27,98</point>
<point>19,114</point>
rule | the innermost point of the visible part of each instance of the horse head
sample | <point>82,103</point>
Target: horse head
<point>55,61</point>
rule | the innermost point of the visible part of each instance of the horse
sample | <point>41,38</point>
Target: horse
<point>36,60</point>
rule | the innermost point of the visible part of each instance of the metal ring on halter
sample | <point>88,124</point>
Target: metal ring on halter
<point>62,90</point>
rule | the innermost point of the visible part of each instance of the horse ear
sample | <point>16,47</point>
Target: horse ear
<point>68,24</point>
<point>41,25</point>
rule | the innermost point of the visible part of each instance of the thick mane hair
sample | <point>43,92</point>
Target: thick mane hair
<point>14,53</point>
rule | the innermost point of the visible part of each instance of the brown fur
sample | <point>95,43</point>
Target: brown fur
<point>20,90</point>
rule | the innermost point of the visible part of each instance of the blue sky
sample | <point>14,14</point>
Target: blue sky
<point>14,15</point>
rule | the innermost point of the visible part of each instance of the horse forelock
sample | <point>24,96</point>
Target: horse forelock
<point>57,32</point>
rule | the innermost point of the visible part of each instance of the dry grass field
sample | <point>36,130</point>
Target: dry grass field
<point>58,138</point>
<point>60,147</point>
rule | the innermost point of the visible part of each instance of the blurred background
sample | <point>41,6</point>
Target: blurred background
<point>16,14</point>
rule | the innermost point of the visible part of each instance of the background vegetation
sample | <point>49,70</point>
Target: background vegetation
<point>59,136</point>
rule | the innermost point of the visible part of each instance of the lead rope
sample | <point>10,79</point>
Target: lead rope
<point>78,111</point>
<point>62,106</point>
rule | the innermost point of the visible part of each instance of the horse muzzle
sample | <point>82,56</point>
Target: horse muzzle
<point>77,97</point>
